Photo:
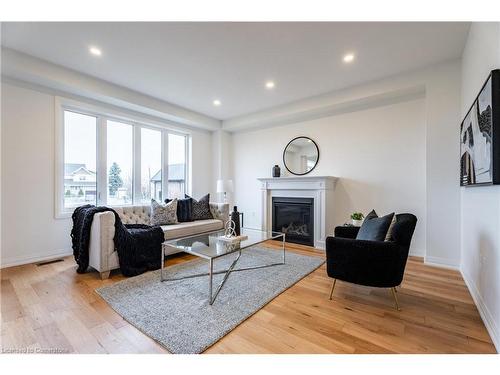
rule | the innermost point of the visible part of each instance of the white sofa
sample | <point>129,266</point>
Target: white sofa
<point>102,254</point>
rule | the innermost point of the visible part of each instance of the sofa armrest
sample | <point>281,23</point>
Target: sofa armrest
<point>101,244</point>
<point>220,211</point>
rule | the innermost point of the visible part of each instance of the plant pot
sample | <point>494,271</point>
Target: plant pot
<point>357,223</point>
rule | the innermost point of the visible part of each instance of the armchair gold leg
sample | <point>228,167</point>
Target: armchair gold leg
<point>394,291</point>
<point>333,287</point>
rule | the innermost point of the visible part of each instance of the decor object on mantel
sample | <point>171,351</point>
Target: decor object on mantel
<point>276,171</point>
<point>301,156</point>
<point>224,187</point>
<point>480,138</point>
<point>357,219</point>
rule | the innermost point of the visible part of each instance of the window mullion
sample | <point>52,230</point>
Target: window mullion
<point>102,180</point>
<point>187,170</point>
<point>164,163</point>
<point>137,190</point>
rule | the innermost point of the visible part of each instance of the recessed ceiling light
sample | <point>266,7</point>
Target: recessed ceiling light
<point>217,102</point>
<point>349,58</point>
<point>270,85</point>
<point>95,51</point>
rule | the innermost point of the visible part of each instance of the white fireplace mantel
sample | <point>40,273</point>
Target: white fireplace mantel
<point>320,188</point>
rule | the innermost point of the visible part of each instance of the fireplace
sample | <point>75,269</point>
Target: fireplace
<point>295,218</point>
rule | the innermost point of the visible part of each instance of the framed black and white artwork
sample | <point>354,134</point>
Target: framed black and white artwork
<point>480,137</point>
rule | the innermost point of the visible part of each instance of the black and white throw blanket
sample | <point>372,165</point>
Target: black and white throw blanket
<point>138,245</point>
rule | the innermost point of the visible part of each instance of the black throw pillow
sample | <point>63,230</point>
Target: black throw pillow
<point>184,209</point>
<point>201,208</point>
<point>374,228</point>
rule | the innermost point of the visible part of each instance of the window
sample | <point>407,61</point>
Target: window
<point>176,166</point>
<point>151,171</point>
<point>119,164</point>
<point>115,161</point>
<point>80,184</point>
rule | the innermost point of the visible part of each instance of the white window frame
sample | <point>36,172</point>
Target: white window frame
<point>137,121</point>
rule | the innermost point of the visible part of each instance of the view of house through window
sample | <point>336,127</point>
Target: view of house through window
<point>126,180</point>
<point>151,176</point>
<point>119,163</point>
<point>176,166</point>
<point>79,159</point>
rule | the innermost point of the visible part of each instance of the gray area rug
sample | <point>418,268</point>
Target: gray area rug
<point>177,314</point>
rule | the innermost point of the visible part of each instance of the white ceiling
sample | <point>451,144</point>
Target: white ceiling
<point>191,64</point>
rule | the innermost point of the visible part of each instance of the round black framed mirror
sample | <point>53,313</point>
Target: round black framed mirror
<point>301,155</point>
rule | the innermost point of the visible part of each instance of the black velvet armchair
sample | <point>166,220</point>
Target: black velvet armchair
<point>371,263</point>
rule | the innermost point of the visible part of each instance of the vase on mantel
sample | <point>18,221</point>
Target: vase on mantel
<point>276,171</point>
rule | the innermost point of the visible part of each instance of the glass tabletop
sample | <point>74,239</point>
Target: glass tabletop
<point>209,245</point>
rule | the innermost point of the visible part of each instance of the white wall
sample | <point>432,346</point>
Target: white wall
<point>480,215</point>
<point>202,164</point>
<point>30,231</point>
<point>1,175</point>
<point>442,169</point>
<point>28,225</point>
<point>439,213</point>
<point>378,154</point>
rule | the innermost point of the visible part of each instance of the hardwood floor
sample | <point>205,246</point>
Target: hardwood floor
<point>52,307</point>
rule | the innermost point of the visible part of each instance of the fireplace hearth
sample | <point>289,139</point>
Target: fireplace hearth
<point>294,217</point>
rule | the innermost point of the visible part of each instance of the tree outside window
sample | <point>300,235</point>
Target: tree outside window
<point>115,180</point>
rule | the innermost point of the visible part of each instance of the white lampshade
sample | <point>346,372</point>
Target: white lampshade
<point>224,186</point>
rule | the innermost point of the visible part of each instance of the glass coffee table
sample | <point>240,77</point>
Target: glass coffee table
<point>208,246</point>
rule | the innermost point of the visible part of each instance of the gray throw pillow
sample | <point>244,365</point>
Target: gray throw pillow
<point>374,228</point>
<point>201,208</point>
<point>163,214</point>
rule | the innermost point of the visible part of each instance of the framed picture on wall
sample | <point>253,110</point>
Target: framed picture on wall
<point>480,137</point>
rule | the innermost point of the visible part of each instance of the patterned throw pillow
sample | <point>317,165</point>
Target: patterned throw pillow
<point>163,214</point>
<point>201,208</point>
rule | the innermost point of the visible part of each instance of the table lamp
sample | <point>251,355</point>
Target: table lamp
<point>225,186</point>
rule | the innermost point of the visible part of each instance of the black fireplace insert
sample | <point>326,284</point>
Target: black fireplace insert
<point>294,217</point>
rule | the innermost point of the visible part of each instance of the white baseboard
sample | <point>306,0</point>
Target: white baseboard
<point>11,262</point>
<point>486,316</point>
<point>321,245</point>
<point>441,262</point>
<point>417,253</point>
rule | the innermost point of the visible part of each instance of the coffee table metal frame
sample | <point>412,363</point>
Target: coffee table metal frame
<point>212,296</point>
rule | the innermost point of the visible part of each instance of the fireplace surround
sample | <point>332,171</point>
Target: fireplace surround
<point>318,188</point>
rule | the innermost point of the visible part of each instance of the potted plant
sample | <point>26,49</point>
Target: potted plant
<point>357,219</point>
